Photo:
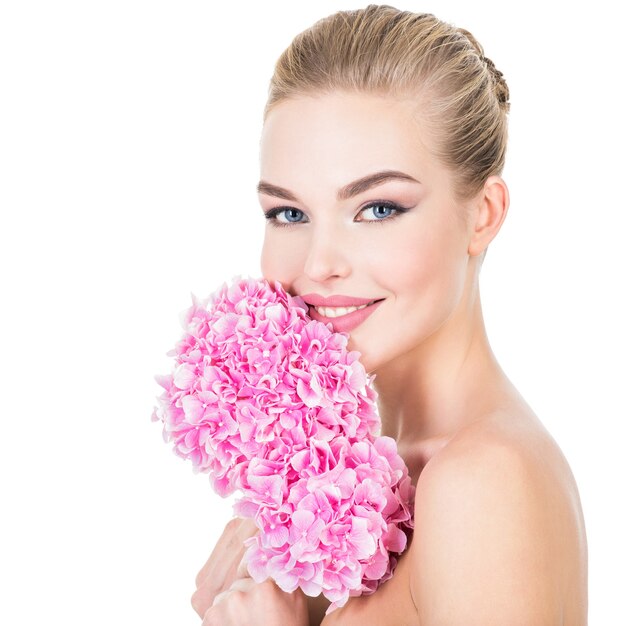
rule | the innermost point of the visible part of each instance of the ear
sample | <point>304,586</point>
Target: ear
<point>491,206</point>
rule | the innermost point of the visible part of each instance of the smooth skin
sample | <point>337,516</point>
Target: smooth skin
<point>499,535</point>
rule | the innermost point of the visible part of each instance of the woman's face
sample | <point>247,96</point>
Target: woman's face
<point>334,237</point>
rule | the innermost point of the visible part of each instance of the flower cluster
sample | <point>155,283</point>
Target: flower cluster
<point>271,403</point>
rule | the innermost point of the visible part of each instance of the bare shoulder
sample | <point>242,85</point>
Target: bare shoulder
<point>499,533</point>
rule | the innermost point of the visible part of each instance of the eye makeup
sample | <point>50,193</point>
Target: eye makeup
<point>397,210</point>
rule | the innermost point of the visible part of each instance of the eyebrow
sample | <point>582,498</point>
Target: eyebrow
<point>350,190</point>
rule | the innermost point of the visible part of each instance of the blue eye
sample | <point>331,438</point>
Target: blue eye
<point>386,206</point>
<point>272,214</point>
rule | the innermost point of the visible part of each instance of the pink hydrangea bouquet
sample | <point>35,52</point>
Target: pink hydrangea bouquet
<point>271,404</point>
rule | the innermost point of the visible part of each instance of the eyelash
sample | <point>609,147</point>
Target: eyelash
<point>272,213</point>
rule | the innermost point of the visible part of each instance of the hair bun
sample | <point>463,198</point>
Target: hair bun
<point>501,88</point>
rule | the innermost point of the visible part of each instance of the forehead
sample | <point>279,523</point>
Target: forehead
<point>346,133</point>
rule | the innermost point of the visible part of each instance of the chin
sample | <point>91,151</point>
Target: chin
<point>367,359</point>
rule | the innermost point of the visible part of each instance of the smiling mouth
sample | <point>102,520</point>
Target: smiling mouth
<point>339,311</point>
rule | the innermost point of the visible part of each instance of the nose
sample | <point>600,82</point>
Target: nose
<point>326,257</point>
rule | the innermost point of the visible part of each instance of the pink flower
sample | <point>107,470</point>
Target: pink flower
<point>271,403</point>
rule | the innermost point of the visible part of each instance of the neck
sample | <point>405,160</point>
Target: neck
<point>449,380</point>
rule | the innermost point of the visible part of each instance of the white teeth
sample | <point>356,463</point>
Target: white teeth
<point>337,311</point>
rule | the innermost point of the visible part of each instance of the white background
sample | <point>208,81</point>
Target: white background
<point>128,162</point>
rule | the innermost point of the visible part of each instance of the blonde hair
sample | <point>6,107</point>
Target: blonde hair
<point>461,98</point>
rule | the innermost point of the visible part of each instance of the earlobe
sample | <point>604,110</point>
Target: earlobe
<point>492,207</point>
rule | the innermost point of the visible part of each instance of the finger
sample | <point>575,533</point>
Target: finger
<point>223,566</point>
<point>241,584</point>
<point>220,597</point>
<point>204,596</point>
<point>223,543</point>
<point>227,552</point>
<point>238,568</point>
<point>216,574</point>
<point>242,568</point>
<point>246,529</point>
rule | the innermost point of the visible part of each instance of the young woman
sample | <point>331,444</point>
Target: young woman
<point>381,158</point>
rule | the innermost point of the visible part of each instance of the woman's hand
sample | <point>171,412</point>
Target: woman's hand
<point>224,565</point>
<point>247,603</point>
<point>226,595</point>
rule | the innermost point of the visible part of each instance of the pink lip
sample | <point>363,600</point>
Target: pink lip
<point>338,300</point>
<point>345,323</point>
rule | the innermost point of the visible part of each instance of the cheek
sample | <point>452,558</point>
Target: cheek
<point>269,259</point>
<point>280,259</point>
<point>428,273</point>
<point>409,261</point>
